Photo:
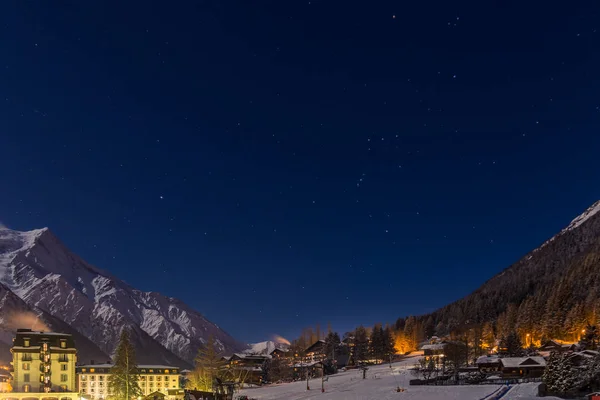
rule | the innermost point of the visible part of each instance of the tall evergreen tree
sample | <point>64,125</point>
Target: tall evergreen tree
<point>123,379</point>
<point>377,343</point>
<point>590,338</point>
<point>511,345</point>
<point>332,345</point>
<point>361,345</point>
<point>388,343</point>
<point>209,365</point>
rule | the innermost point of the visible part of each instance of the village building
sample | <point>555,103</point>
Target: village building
<point>433,349</point>
<point>316,352</point>
<point>157,382</point>
<point>488,364</point>
<point>253,365</point>
<point>555,345</point>
<point>522,367</point>
<point>43,366</point>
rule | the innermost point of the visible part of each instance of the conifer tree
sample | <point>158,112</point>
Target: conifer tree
<point>332,345</point>
<point>209,365</point>
<point>388,343</point>
<point>361,345</point>
<point>377,344</point>
<point>123,379</point>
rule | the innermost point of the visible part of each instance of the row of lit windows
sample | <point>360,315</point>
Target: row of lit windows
<point>29,357</point>
<point>27,343</point>
<point>63,377</point>
<point>27,388</point>
<point>142,371</point>
<point>142,378</point>
<point>27,367</point>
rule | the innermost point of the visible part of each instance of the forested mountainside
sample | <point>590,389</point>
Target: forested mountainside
<point>552,292</point>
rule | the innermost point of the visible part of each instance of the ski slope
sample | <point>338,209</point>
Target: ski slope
<point>381,384</point>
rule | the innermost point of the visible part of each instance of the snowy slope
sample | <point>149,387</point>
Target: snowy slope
<point>381,384</point>
<point>40,270</point>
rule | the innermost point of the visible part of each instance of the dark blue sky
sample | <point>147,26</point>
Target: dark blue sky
<point>281,163</point>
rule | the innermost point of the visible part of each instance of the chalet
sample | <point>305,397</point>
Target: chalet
<point>254,364</point>
<point>521,367</point>
<point>488,364</point>
<point>433,349</point>
<point>554,345</point>
<point>279,353</point>
<point>316,351</point>
<point>580,358</point>
<point>313,369</point>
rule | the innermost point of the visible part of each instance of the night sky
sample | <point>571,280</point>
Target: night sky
<point>281,163</point>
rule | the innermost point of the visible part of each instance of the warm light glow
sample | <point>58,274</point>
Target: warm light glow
<point>282,340</point>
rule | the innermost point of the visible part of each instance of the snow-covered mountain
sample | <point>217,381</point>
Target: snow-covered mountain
<point>58,286</point>
<point>265,348</point>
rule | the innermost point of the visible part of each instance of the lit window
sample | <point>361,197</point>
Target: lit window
<point>26,366</point>
<point>63,344</point>
<point>27,388</point>
<point>45,346</point>
<point>92,370</point>
<point>83,370</point>
<point>151,371</point>
<point>25,377</point>
<point>166,371</point>
<point>26,342</point>
<point>83,377</point>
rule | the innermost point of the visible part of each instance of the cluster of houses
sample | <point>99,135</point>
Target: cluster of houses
<point>44,367</point>
<point>516,367</point>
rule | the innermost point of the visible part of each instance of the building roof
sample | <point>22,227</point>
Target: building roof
<point>488,360</point>
<point>518,362</point>
<point>319,343</point>
<point>437,346</point>
<point>36,338</point>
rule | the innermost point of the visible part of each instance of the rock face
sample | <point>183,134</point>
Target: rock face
<point>41,278</point>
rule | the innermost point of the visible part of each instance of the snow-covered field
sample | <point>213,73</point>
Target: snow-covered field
<point>381,384</point>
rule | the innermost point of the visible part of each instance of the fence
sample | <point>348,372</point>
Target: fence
<point>463,382</point>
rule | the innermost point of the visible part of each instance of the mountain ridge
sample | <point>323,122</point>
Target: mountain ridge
<point>534,288</point>
<point>39,269</point>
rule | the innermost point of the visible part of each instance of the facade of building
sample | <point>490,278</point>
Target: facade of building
<point>43,362</point>
<point>156,381</point>
<point>521,367</point>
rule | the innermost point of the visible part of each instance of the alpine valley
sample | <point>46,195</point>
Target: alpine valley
<point>45,286</point>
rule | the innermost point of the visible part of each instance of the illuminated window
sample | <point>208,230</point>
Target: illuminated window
<point>83,377</point>
<point>45,346</point>
<point>166,371</point>
<point>63,344</point>
<point>25,377</point>
<point>92,370</point>
<point>26,342</point>
<point>151,371</point>
<point>26,366</point>
<point>83,370</point>
<point>27,388</point>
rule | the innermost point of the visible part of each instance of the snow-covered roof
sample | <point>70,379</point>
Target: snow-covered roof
<point>437,346</point>
<point>488,360</point>
<point>516,362</point>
